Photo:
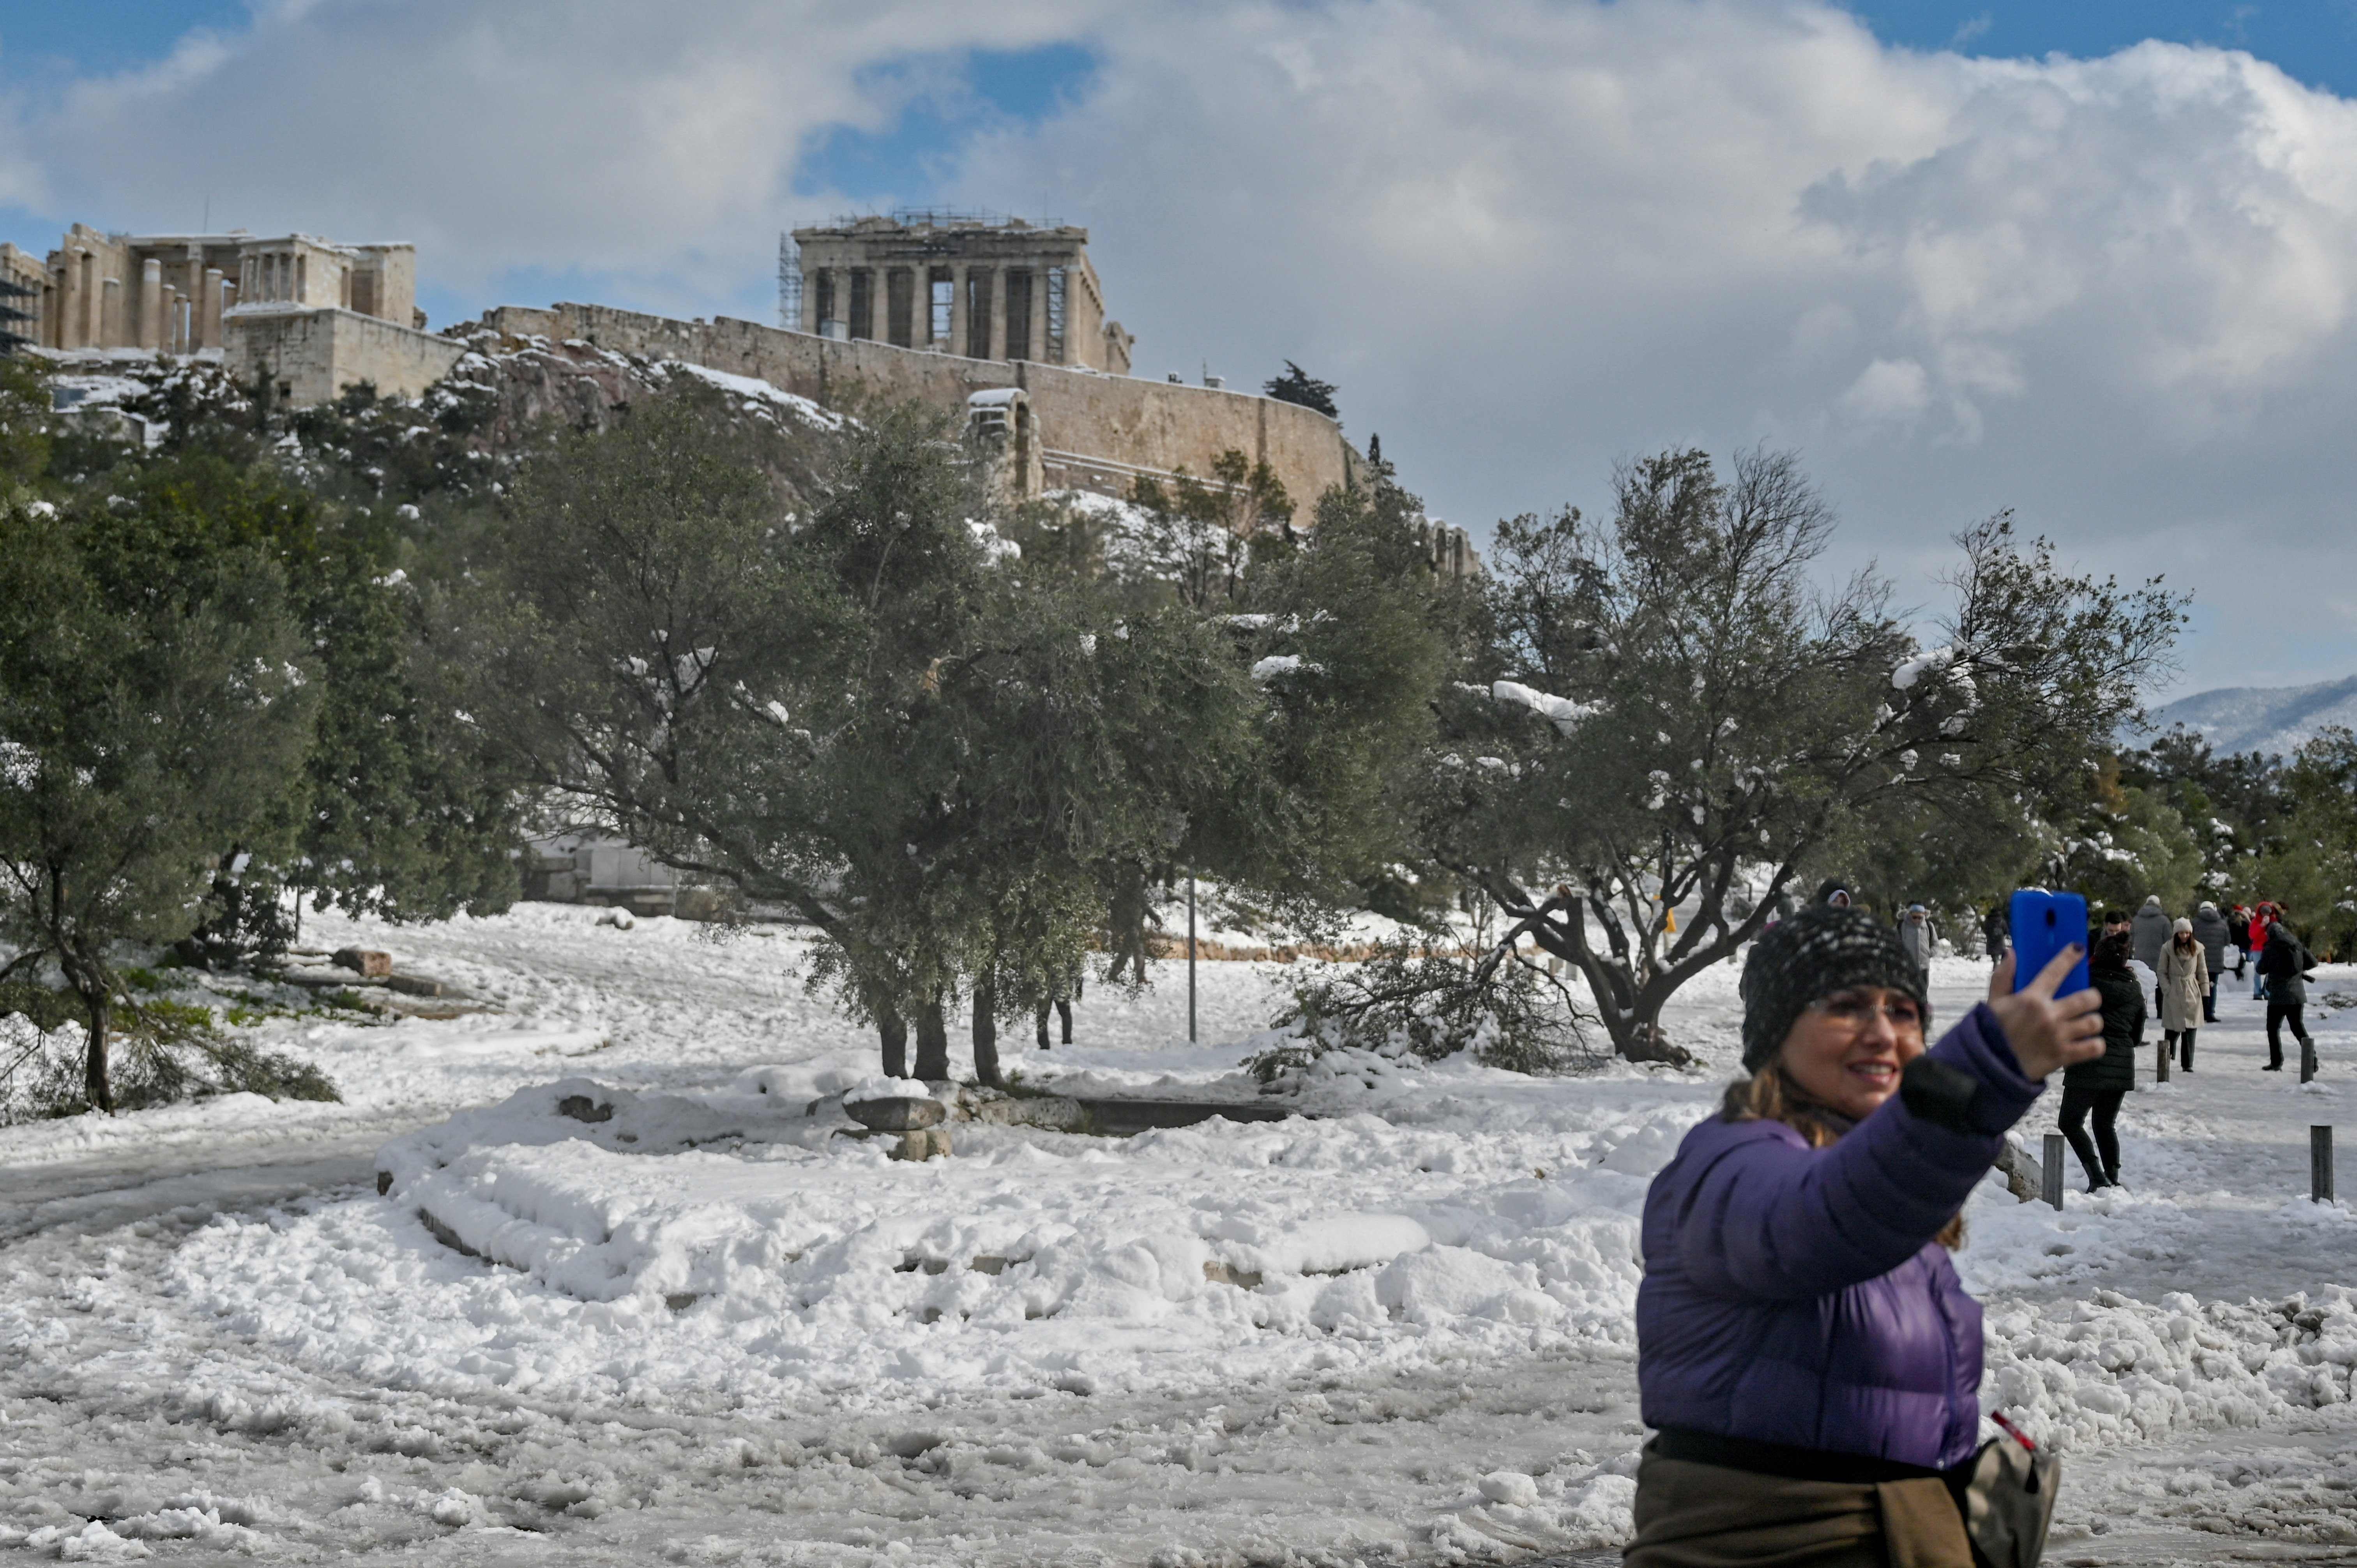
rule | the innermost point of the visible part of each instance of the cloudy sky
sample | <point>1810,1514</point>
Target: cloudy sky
<point>2094,262</point>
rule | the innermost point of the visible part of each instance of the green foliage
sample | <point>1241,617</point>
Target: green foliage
<point>165,1052</point>
<point>1202,536</point>
<point>152,711</point>
<point>2310,868</point>
<point>47,1008</point>
<point>1297,385</point>
<point>25,434</point>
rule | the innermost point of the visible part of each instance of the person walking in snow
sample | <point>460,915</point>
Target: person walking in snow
<point>2261,919</point>
<point>2284,963</point>
<point>2215,936</point>
<point>2100,1084</point>
<point>1919,936</point>
<point>1805,1351</point>
<point>2149,932</point>
<point>2185,988</point>
<point>1996,930</point>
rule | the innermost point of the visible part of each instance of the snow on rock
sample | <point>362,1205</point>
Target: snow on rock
<point>1562,711</point>
<point>881,1087</point>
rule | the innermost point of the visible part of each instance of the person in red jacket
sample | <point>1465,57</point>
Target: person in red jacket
<point>2261,919</point>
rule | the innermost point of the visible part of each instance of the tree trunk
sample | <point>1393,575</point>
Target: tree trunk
<point>97,1086</point>
<point>985,1035</point>
<point>1064,1012</point>
<point>932,1043</point>
<point>1041,1019</point>
<point>894,1029</point>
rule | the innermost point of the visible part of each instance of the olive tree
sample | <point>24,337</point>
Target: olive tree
<point>151,712</point>
<point>1666,710</point>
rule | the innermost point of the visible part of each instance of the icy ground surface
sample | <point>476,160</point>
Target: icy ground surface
<point>701,1328</point>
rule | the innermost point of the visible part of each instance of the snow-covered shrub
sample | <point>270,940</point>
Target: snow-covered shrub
<point>1409,999</point>
<point>165,1052</point>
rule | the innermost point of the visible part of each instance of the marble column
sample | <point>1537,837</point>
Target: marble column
<point>193,289</point>
<point>999,348</point>
<point>151,304</point>
<point>956,345</point>
<point>212,308</point>
<point>93,300</point>
<point>109,313</point>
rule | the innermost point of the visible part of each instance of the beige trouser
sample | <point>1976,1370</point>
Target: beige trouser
<point>1707,1516</point>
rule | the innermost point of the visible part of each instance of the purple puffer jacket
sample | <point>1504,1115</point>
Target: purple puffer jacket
<point>1791,1294</point>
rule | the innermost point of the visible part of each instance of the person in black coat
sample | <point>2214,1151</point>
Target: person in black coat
<point>2283,964</point>
<point>2099,1085</point>
<point>1996,927</point>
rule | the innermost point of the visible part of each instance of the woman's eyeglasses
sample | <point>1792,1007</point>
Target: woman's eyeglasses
<point>1857,1011</point>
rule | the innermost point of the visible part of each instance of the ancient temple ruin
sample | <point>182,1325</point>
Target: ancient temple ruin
<point>174,294</point>
<point>970,284</point>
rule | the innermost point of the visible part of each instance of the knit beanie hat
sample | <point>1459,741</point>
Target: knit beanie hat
<point>1818,951</point>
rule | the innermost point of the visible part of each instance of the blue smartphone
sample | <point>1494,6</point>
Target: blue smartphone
<point>2043,925</point>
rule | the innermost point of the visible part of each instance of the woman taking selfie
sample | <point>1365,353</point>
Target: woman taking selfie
<point>1805,1351</point>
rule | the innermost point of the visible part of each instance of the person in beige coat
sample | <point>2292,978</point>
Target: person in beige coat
<point>2184,971</point>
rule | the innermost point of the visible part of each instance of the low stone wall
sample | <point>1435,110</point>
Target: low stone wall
<point>307,357</point>
<point>1158,426</point>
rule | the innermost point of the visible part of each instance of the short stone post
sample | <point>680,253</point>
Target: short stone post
<point>2319,1165</point>
<point>2168,1049</point>
<point>2050,1174</point>
<point>2308,1060</point>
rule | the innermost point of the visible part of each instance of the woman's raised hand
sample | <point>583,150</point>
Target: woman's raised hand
<point>2045,1033</point>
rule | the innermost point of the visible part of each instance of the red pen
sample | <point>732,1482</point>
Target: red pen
<point>2013,1432</point>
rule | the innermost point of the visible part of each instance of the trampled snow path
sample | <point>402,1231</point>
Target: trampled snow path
<point>188,1382</point>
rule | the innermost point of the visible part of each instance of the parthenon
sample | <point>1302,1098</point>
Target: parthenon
<point>170,292</point>
<point>966,283</point>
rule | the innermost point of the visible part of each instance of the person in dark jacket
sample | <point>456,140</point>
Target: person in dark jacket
<point>1805,1352</point>
<point>2215,935</point>
<point>1997,929</point>
<point>2261,919</point>
<point>2101,1084</point>
<point>2284,963</point>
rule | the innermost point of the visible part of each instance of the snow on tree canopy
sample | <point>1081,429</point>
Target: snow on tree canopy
<point>1564,714</point>
<point>1915,669</point>
<point>1277,665</point>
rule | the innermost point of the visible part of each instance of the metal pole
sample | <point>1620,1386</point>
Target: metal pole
<point>2051,1172</point>
<point>2319,1164</point>
<point>1190,958</point>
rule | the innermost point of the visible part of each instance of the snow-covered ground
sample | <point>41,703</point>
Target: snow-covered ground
<point>702,1327</point>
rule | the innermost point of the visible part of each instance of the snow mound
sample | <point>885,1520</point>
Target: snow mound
<point>581,1109</point>
<point>579,1237</point>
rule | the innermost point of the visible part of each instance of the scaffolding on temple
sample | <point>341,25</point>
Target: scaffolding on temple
<point>790,283</point>
<point>11,291</point>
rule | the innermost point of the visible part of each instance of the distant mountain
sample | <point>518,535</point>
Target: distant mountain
<point>2273,720</point>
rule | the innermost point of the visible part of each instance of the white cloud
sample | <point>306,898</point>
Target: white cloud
<point>649,142</point>
<point>1527,237</point>
<point>1889,389</point>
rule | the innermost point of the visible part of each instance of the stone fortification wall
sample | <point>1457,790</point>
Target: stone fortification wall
<point>1098,431</point>
<point>305,356</point>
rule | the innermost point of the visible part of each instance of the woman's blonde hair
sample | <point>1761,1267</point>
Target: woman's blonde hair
<point>1772,1095</point>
